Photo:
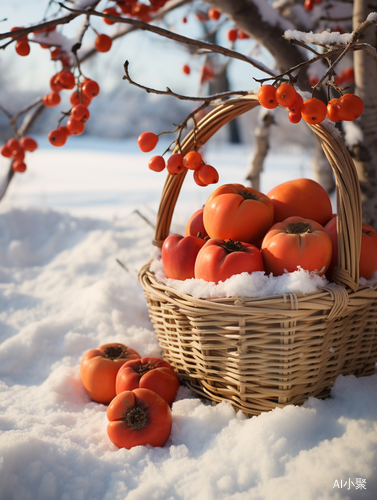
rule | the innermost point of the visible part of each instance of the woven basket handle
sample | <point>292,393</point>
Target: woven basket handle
<point>349,220</point>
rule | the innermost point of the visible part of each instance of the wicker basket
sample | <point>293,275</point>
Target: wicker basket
<point>262,353</point>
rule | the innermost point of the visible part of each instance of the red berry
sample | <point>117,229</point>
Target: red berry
<point>350,107</point>
<point>5,151</point>
<point>267,97</point>
<point>296,106</point>
<point>174,164</point>
<point>294,117</point>
<point>214,14</point>
<point>90,88</point>
<point>103,43</point>
<point>14,146</point>
<point>286,95</point>
<point>20,155</point>
<point>78,97</point>
<point>66,79</point>
<point>55,84</point>
<point>197,180</point>
<point>22,47</point>
<point>313,110</point>
<point>28,143</point>
<point>208,174</point>
<point>192,160</point>
<point>232,34</point>
<point>19,166</point>
<point>186,69</point>
<point>111,11</point>
<point>55,54</point>
<point>57,137</point>
<point>157,163</point>
<point>75,127</point>
<point>80,113</point>
<point>52,99</point>
<point>147,141</point>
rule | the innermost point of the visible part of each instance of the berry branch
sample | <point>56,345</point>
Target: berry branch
<point>206,46</point>
<point>207,99</point>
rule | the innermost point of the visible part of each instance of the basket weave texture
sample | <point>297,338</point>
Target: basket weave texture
<point>263,353</point>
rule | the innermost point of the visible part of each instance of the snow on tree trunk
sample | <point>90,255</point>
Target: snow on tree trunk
<point>365,151</point>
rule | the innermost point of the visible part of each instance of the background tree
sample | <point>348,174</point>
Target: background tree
<point>288,30</point>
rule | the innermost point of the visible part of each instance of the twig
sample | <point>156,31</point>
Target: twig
<point>210,47</point>
<point>122,265</point>
<point>168,91</point>
<point>144,218</point>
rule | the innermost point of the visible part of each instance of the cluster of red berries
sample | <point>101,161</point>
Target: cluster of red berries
<point>79,113</point>
<point>133,8</point>
<point>203,174</point>
<point>15,149</point>
<point>349,107</point>
<point>345,77</point>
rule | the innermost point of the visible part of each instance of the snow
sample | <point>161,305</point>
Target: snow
<point>323,38</point>
<point>63,226</point>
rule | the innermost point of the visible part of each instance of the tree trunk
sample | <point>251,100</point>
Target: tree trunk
<point>249,18</point>
<point>365,152</point>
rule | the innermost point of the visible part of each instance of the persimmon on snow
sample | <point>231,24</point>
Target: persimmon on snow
<point>147,141</point>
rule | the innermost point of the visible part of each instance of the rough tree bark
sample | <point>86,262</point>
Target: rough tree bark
<point>365,153</point>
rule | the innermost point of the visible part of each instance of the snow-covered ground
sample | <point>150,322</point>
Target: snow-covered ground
<point>63,225</point>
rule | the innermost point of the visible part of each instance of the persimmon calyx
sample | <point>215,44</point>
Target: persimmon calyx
<point>298,228</point>
<point>142,369</point>
<point>136,418</point>
<point>246,195</point>
<point>115,352</point>
<point>231,246</point>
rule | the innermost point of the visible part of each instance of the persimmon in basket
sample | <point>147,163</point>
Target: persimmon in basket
<point>301,197</point>
<point>296,242</point>
<point>239,213</point>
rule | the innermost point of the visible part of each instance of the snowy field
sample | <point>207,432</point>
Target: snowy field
<point>63,226</point>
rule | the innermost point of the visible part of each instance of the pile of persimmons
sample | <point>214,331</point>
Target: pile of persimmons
<point>138,391</point>
<point>240,229</point>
